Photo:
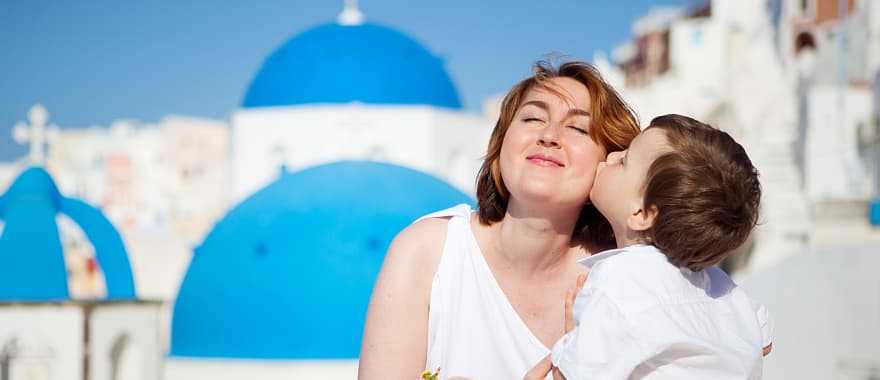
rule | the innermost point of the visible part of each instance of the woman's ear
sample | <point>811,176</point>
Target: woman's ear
<point>642,219</point>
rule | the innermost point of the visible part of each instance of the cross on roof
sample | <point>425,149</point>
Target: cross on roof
<point>350,14</point>
<point>36,133</point>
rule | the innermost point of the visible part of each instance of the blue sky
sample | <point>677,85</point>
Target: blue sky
<point>93,61</point>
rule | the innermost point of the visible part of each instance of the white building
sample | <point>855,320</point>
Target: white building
<point>796,82</point>
<point>163,185</point>
<point>347,133</point>
<point>329,94</point>
<point>738,65</point>
<point>59,320</point>
<point>348,122</point>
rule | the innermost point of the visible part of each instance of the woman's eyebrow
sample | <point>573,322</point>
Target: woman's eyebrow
<point>578,112</point>
<point>544,106</point>
<point>537,103</point>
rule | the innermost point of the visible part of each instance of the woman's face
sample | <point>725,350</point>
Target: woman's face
<point>547,154</point>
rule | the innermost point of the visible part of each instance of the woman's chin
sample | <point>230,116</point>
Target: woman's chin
<point>546,196</point>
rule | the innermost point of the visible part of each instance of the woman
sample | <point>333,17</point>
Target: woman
<point>480,294</point>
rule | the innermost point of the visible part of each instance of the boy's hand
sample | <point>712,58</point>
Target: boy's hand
<point>570,295</point>
<point>540,371</point>
<point>545,366</point>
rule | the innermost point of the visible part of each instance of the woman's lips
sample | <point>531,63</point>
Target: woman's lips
<point>544,160</point>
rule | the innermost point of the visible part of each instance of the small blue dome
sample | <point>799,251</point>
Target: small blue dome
<point>287,274</point>
<point>30,249</point>
<point>365,63</point>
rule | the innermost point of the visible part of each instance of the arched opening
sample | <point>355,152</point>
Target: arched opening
<point>804,40</point>
<point>85,279</point>
<point>7,355</point>
<point>125,359</point>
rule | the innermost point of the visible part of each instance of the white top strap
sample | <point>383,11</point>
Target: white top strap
<point>463,210</point>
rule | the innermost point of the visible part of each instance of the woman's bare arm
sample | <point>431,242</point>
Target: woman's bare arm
<point>395,337</point>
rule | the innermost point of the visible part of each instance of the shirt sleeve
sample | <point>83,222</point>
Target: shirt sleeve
<point>764,320</point>
<point>601,345</point>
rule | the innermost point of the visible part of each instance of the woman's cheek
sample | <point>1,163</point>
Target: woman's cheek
<point>588,159</point>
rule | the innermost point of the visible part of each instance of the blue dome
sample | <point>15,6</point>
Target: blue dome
<point>30,249</point>
<point>287,274</point>
<point>365,63</point>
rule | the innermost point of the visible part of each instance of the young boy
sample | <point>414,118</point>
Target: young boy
<point>680,200</point>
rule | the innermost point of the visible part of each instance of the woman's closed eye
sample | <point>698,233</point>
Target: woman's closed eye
<point>579,129</point>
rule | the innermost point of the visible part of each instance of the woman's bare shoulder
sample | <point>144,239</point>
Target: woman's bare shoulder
<point>396,329</point>
<point>425,232</point>
<point>418,247</point>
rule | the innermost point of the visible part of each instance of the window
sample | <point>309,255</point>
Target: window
<point>24,361</point>
<point>125,359</point>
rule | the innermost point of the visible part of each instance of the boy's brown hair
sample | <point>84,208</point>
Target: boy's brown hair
<point>705,191</point>
<point>613,125</point>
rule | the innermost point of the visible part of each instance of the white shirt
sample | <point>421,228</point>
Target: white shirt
<point>473,330</point>
<point>639,316</point>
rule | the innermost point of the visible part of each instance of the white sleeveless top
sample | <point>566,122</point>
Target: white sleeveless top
<point>473,330</point>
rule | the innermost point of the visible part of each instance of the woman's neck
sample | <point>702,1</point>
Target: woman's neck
<point>532,239</point>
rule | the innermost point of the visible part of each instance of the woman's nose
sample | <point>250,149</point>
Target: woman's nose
<point>549,136</point>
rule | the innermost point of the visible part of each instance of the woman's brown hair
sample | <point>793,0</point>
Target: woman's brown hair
<point>613,125</point>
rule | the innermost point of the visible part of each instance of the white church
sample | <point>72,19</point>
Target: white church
<point>233,232</point>
<point>222,220</point>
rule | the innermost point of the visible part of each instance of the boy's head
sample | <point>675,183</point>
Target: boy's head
<point>683,186</point>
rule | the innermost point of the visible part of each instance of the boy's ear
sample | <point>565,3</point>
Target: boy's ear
<point>642,218</point>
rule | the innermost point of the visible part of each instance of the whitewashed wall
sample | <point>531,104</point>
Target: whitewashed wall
<point>304,136</point>
<point>216,369</point>
<point>834,169</point>
<point>45,341</point>
<point>124,341</point>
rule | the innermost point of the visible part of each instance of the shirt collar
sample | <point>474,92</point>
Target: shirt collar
<point>592,260</point>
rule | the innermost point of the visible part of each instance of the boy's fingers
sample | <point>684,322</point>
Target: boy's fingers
<point>557,374</point>
<point>580,281</point>
<point>569,303</point>
<point>570,295</point>
<point>540,370</point>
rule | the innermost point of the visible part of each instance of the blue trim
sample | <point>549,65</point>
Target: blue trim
<point>874,212</point>
<point>32,264</point>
